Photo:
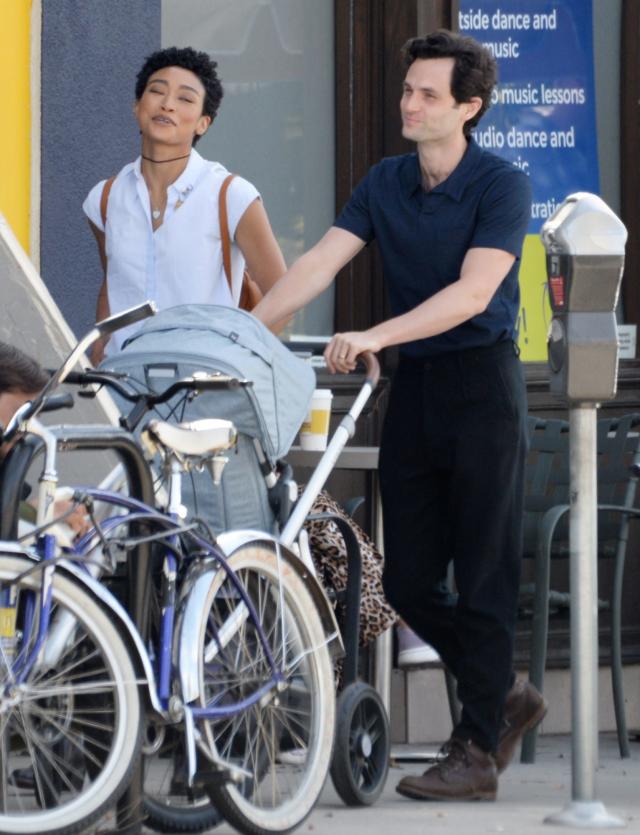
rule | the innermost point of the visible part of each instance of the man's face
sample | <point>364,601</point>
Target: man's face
<point>428,109</point>
<point>170,108</point>
<point>10,402</point>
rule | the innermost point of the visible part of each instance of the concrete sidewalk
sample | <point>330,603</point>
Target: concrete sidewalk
<point>528,793</point>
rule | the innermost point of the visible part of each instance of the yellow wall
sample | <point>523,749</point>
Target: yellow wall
<point>15,116</point>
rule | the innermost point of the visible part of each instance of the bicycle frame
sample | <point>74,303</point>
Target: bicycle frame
<point>207,551</point>
<point>160,686</point>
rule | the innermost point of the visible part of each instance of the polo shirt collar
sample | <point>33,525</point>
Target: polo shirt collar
<point>455,183</point>
<point>189,177</point>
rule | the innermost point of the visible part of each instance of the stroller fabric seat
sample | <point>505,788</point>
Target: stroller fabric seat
<point>212,338</point>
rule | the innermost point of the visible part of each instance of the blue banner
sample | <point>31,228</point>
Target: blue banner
<point>543,114</point>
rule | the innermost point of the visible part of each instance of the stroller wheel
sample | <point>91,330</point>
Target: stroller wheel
<point>361,750</point>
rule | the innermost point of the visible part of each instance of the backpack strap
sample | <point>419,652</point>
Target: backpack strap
<point>104,199</point>
<point>224,228</point>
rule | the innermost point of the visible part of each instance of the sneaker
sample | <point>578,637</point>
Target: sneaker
<point>293,756</point>
<point>465,772</point>
<point>524,708</point>
<point>412,650</point>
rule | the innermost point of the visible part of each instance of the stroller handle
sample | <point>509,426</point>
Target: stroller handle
<point>372,367</point>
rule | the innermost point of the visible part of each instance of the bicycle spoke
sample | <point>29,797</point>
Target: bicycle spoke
<point>63,672</point>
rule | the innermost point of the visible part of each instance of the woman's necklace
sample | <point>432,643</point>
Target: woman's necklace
<point>155,213</point>
<point>160,161</point>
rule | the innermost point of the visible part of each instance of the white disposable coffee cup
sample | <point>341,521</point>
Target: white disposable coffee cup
<point>315,430</point>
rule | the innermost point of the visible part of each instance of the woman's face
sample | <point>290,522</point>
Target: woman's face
<point>170,110</point>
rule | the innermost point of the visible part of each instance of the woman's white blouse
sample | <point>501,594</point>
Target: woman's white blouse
<point>181,262</point>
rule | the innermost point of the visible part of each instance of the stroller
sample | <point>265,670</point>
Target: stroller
<point>256,489</point>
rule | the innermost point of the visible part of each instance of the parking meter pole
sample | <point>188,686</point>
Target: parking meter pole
<point>584,810</point>
<point>584,243</point>
<point>583,536</point>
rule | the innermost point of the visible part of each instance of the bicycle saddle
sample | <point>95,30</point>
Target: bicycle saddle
<point>197,437</point>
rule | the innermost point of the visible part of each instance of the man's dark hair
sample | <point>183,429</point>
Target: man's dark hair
<point>18,372</point>
<point>187,58</point>
<point>474,71</point>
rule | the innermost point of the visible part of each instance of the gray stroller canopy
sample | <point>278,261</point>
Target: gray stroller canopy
<point>180,340</point>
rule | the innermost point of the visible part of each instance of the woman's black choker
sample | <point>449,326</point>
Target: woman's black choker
<point>173,159</point>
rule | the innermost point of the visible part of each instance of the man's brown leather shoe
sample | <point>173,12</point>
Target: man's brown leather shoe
<point>523,709</point>
<point>465,773</point>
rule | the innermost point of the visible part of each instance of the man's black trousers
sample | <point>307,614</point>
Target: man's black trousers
<point>451,475</point>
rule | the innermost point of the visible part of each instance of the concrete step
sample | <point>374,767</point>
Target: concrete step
<point>420,710</point>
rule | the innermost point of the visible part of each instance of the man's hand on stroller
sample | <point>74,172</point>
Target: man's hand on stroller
<point>345,348</point>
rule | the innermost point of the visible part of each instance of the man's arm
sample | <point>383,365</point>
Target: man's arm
<point>483,270</point>
<point>312,273</point>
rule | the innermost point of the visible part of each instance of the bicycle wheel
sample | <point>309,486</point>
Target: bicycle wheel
<point>70,732</point>
<point>284,740</point>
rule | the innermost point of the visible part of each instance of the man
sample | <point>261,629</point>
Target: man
<point>449,220</point>
<point>22,379</point>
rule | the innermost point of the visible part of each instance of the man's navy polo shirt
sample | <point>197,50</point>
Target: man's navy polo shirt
<point>424,236</point>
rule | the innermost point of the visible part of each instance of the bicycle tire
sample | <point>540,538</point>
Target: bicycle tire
<point>295,722</point>
<point>88,702</point>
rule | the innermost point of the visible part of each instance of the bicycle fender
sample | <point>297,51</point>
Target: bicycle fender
<point>230,541</point>
<point>119,613</point>
<point>107,600</point>
<point>189,623</point>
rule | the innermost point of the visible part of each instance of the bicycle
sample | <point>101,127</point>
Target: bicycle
<point>179,808</point>
<point>252,612</point>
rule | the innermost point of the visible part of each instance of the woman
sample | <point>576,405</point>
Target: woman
<point>157,222</point>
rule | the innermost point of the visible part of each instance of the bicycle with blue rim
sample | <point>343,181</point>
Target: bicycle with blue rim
<point>236,663</point>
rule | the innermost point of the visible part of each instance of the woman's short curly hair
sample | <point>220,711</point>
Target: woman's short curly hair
<point>474,73</point>
<point>199,63</point>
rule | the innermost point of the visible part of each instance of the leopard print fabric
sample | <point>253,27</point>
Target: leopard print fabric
<point>329,556</point>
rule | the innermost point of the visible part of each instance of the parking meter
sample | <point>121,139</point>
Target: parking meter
<point>584,242</point>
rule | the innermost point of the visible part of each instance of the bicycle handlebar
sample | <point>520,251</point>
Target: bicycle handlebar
<point>126,318</point>
<point>117,381</point>
<point>106,326</point>
<point>55,402</point>
<point>144,401</point>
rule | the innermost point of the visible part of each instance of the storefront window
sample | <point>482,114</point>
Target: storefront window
<point>276,123</point>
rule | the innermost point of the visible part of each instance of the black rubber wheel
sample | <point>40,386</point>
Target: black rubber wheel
<point>170,805</point>
<point>361,749</point>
